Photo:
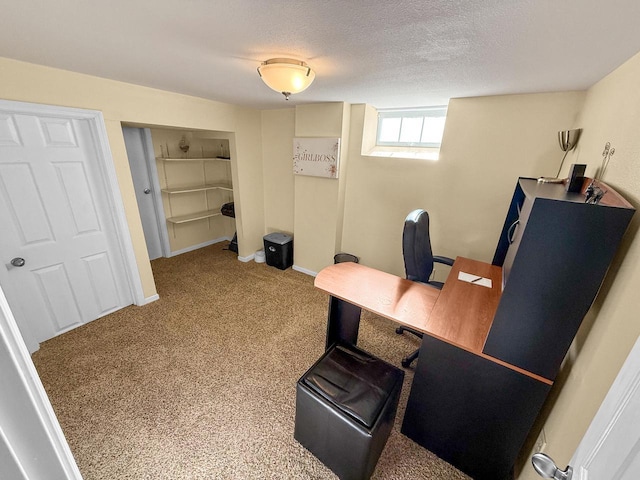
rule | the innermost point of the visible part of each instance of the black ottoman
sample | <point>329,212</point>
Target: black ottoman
<point>345,407</point>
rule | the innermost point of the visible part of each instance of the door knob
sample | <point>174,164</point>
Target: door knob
<point>18,262</point>
<point>547,468</point>
<point>147,191</point>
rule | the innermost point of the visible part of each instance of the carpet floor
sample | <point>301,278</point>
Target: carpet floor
<point>201,383</point>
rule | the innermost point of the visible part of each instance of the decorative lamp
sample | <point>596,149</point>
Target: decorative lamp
<point>567,139</point>
<point>286,75</point>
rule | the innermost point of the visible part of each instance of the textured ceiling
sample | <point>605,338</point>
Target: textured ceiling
<point>385,53</point>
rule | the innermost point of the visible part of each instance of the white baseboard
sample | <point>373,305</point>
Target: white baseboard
<point>247,259</point>
<point>151,299</point>
<point>201,245</point>
<point>304,270</point>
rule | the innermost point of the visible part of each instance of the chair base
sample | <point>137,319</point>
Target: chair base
<point>408,360</point>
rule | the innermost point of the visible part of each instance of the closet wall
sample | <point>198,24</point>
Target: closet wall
<point>195,183</point>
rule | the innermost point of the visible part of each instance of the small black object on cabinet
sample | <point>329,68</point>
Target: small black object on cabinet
<point>576,177</point>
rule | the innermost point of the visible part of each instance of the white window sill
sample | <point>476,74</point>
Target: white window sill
<point>405,152</point>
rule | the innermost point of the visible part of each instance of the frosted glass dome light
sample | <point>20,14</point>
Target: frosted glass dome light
<point>286,75</point>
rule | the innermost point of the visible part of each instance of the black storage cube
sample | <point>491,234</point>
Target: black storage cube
<point>278,250</point>
<point>345,408</point>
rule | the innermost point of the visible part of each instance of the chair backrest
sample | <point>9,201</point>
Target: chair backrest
<point>416,247</point>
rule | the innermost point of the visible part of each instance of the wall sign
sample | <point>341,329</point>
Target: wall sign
<point>317,157</point>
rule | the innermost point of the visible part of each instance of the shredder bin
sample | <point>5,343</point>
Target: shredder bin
<point>278,249</point>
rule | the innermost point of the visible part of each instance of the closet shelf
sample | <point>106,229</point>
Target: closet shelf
<point>194,216</point>
<point>199,188</point>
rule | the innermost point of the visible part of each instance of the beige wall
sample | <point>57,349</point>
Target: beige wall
<point>310,208</point>
<point>122,102</point>
<point>278,128</point>
<point>611,114</point>
<point>343,169</point>
<point>317,213</point>
<point>248,182</point>
<point>488,143</point>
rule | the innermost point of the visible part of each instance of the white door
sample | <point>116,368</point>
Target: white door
<point>32,445</point>
<point>145,187</point>
<point>610,449</point>
<point>57,227</point>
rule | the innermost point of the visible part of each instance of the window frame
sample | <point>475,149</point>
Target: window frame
<point>424,112</point>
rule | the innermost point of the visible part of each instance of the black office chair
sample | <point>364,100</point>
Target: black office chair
<point>418,261</point>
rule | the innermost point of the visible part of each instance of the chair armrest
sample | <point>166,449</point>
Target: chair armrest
<point>444,260</point>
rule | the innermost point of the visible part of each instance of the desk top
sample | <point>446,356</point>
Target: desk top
<point>464,311</point>
<point>395,298</point>
<point>461,314</point>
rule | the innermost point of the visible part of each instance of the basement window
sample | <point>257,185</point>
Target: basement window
<point>410,133</point>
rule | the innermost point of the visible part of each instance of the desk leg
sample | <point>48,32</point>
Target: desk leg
<point>343,322</point>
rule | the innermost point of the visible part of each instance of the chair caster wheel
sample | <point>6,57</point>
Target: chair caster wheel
<point>405,363</point>
<point>399,330</point>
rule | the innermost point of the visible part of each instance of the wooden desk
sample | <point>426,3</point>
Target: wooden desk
<point>467,407</point>
<point>395,298</point>
<point>460,314</point>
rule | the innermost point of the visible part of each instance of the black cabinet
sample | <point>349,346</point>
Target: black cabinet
<point>555,250</point>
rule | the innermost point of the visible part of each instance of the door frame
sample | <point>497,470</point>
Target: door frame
<point>108,176</point>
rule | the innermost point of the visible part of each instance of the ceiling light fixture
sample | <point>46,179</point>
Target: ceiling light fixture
<point>286,75</point>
